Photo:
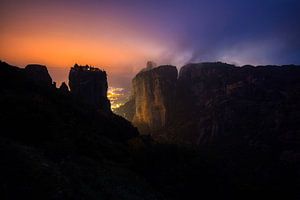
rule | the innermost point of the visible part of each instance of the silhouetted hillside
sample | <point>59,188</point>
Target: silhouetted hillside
<point>53,146</point>
<point>244,121</point>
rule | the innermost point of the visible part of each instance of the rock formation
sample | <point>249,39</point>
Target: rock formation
<point>38,74</point>
<point>53,147</point>
<point>89,84</point>
<point>154,92</point>
<point>64,88</point>
<point>48,140</point>
<point>127,110</point>
<point>150,65</point>
<point>211,102</point>
<point>222,101</point>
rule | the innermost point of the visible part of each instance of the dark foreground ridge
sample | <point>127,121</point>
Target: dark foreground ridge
<point>55,146</point>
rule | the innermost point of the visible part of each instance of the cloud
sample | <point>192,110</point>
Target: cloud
<point>122,35</point>
<point>253,32</point>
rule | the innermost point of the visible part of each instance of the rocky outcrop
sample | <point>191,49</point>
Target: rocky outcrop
<point>89,84</point>
<point>54,147</point>
<point>51,147</point>
<point>221,101</point>
<point>38,74</point>
<point>127,110</point>
<point>64,88</point>
<point>150,65</point>
<point>153,94</point>
<point>218,102</point>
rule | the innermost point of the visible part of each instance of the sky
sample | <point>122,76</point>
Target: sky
<point>120,36</point>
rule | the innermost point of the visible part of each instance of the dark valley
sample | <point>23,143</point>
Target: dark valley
<point>213,131</point>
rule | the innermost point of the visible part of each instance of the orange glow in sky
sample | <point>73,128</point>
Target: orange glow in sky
<point>59,37</point>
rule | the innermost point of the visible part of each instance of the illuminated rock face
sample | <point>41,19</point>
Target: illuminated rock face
<point>89,85</point>
<point>218,102</point>
<point>154,91</point>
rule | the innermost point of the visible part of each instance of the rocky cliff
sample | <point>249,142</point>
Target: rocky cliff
<point>38,74</point>
<point>154,92</point>
<point>221,101</point>
<point>89,84</point>
<point>55,147</point>
<point>64,88</point>
<point>212,102</point>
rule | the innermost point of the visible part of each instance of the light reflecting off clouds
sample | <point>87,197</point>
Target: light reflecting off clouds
<point>120,36</point>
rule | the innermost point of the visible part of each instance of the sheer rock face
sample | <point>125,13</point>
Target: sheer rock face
<point>217,102</point>
<point>90,85</point>
<point>153,94</point>
<point>38,74</point>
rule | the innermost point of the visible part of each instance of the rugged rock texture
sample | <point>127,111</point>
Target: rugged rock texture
<point>215,102</point>
<point>53,147</point>
<point>154,92</point>
<point>221,101</point>
<point>38,74</point>
<point>89,84</point>
<point>127,110</point>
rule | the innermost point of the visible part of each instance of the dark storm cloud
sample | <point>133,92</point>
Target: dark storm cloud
<point>255,32</point>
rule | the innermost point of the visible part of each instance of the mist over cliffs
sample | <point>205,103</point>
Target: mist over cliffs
<point>212,102</point>
<point>216,132</point>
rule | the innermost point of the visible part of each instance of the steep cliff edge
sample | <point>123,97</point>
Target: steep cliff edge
<point>154,92</point>
<point>53,147</point>
<point>215,102</point>
<point>221,101</point>
<point>89,84</point>
<point>38,74</point>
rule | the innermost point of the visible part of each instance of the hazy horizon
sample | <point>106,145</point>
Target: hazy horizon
<point>121,36</point>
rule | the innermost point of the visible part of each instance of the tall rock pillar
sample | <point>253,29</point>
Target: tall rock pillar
<point>89,84</point>
<point>154,92</point>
